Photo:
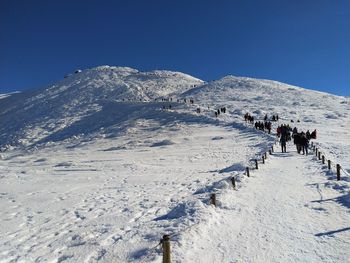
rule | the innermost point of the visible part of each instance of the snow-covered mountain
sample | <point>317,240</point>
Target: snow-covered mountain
<point>266,96</point>
<point>84,102</point>
<point>100,165</point>
<point>107,101</point>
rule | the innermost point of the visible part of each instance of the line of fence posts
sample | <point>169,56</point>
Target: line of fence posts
<point>323,157</point>
<point>166,238</point>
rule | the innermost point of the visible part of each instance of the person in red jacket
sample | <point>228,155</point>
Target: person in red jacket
<point>313,134</point>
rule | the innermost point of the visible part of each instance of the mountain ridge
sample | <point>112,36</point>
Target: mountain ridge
<point>97,96</point>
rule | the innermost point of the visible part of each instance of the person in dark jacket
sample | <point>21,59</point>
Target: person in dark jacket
<point>304,142</point>
<point>308,135</point>
<point>297,141</point>
<point>283,142</point>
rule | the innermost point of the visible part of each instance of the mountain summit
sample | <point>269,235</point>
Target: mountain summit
<point>32,116</point>
<point>105,101</point>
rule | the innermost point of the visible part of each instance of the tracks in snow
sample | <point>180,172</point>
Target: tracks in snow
<point>280,215</point>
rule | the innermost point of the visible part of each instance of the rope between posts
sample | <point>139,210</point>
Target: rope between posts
<point>151,251</point>
<point>333,164</point>
<point>341,168</point>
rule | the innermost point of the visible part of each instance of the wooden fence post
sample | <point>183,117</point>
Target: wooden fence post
<point>329,164</point>
<point>247,171</point>
<point>319,155</point>
<point>323,159</point>
<point>263,159</point>
<point>256,164</point>
<point>233,182</point>
<point>338,171</point>
<point>265,154</point>
<point>270,152</point>
<point>272,148</point>
<point>166,249</point>
<point>316,151</point>
<point>213,199</point>
<point>314,148</point>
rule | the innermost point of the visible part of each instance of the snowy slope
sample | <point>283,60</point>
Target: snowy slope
<point>31,117</point>
<point>329,114</point>
<point>114,176</point>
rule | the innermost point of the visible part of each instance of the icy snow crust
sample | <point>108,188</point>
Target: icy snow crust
<point>95,169</point>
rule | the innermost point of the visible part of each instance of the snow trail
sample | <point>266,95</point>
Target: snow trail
<point>286,212</point>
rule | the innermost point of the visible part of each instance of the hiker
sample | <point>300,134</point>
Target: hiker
<point>285,132</point>
<point>297,142</point>
<point>251,119</point>
<point>261,126</point>
<point>295,131</point>
<point>308,135</point>
<point>283,142</point>
<point>278,131</point>
<point>268,127</point>
<point>313,134</point>
<point>304,143</point>
<point>246,117</point>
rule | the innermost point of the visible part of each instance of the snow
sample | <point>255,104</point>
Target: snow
<point>276,217</point>
<point>89,173</point>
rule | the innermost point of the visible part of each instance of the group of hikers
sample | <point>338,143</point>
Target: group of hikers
<point>267,125</point>
<point>274,117</point>
<point>248,118</point>
<point>300,139</point>
<point>221,110</point>
<point>191,101</point>
<point>284,132</point>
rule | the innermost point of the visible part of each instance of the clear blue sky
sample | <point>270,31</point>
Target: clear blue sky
<point>301,42</point>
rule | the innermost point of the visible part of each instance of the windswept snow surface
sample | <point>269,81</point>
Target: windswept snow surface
<point>89,173</point>
<point>83,102</point>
